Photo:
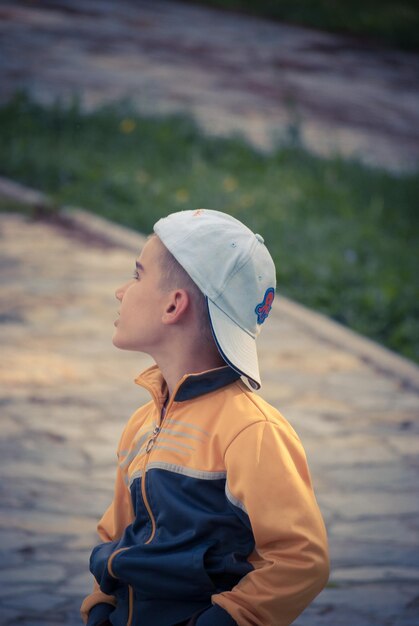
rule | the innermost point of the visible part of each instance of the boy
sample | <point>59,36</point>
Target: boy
<point>214,521</point>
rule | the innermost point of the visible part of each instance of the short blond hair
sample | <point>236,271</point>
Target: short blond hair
<point>173,276</point>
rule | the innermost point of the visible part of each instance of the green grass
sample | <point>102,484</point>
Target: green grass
<point>389,22</point>
<point>344,237</point>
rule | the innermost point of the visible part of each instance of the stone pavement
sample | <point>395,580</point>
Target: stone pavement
<point>67,392</point>
<point>233,72</point>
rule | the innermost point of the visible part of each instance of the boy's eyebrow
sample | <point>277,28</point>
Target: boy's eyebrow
<point>139,266</point>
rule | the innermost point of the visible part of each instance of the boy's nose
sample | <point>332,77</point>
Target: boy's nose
<point>119,293</point>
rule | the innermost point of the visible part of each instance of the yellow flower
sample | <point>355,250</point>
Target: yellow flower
<point>182,195</point>
<point>230,184</point>
<point>246,200</point>
<point>127,125</point>
<point>143,177</point>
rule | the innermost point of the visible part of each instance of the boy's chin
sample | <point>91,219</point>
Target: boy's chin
<point>119,342</point>
<point>124,344</point>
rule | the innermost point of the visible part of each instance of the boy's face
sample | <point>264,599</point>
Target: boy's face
<point>139,326</point>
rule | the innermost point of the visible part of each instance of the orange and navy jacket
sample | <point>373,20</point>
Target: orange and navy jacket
<point>213,515</point>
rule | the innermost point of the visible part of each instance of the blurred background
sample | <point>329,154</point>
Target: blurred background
<point>310,137</point>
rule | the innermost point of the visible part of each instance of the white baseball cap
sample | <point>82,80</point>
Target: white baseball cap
<point>234,270</point>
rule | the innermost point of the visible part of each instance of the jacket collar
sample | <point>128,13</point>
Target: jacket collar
<point>189,387</point>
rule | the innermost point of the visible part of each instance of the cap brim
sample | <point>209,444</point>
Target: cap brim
<point>236,346</point>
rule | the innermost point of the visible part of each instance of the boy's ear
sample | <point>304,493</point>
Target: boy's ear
<point>177,304</point>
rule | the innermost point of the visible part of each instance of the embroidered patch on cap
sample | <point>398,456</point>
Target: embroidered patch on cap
<point>263,309</point>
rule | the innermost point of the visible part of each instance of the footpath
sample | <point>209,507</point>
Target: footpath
<point>66,392</point>
<point>232,72</point>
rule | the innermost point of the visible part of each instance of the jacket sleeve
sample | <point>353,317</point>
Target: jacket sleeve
<point>110,528</point>
<point>269,486</point>
<point>99,614</point>
<point>214,615</point>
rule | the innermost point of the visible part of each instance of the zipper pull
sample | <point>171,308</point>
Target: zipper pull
<point>150,442</point>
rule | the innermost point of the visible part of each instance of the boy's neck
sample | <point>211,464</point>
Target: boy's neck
<point>173,369</point>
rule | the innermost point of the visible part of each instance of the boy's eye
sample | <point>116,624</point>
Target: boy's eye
<point>135,275</point>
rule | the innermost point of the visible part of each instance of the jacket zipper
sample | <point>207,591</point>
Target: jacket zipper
<point>149,446</point>
<point>150,442</point>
